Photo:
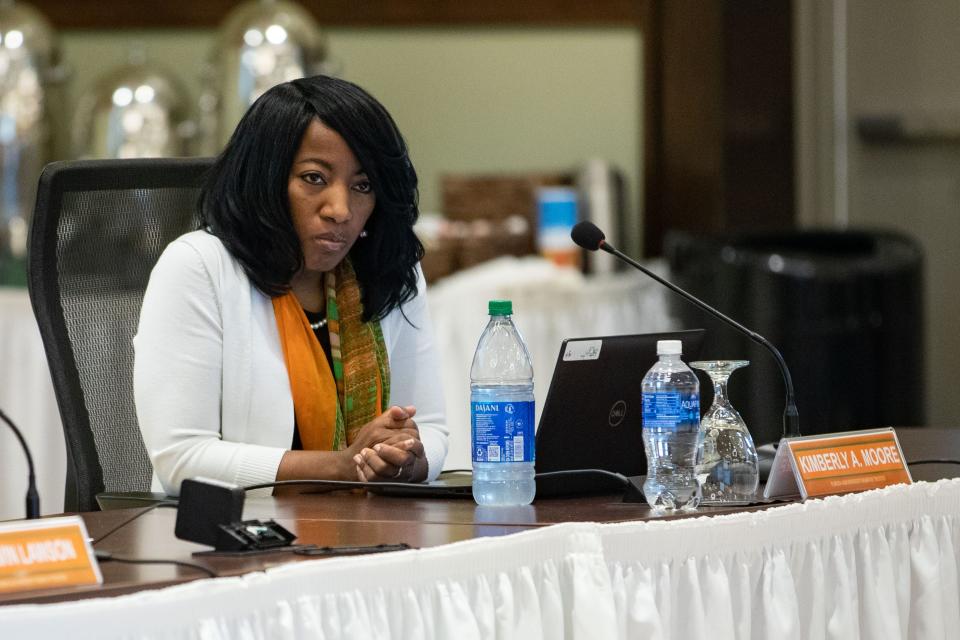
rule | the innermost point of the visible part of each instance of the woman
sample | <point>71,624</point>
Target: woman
<point>289,338</point>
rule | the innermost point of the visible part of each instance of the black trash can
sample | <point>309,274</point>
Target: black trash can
<point>845,308</point>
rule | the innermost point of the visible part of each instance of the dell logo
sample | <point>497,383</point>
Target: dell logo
<point>617,413</point>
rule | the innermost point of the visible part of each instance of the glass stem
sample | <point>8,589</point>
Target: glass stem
<point>720,390</point>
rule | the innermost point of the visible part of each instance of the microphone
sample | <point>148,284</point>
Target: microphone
<point>33,498</point>
<point>587,235</point>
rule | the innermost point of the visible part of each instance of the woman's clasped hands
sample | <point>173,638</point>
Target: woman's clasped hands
<point>388,448</point>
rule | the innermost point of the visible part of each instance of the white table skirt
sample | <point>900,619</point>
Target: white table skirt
<point>882,564</point>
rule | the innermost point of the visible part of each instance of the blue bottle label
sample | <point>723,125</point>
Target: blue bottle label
<point>502,431</point>
<point>671,410</point>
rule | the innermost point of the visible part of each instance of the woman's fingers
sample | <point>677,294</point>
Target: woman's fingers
<point>383,428</point>
<point>387,462</point>
<point>394,418</point>
<point>401,413</point>
<point>387,459</point>
<point>413,445</point>
<point>367,474</point>
<point>389,447</point>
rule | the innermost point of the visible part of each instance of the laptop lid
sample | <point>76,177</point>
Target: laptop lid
<point>592,417</point>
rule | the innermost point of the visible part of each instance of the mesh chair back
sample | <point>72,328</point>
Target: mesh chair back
<point>97,231</point>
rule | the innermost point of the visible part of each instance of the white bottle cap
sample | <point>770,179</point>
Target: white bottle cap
<point>669,347</point>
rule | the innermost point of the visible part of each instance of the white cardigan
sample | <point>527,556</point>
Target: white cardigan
<point>211,388</point>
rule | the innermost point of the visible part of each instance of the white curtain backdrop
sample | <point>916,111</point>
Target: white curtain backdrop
<point>882,564</point>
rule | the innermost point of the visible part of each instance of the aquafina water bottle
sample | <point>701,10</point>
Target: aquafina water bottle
<point>502,413</point>
<point>671,427</point>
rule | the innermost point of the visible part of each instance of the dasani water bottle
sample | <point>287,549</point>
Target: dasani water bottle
<point>502,413</point>
<point>671,427</point>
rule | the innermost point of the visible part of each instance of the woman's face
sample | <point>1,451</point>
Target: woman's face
<point>330,197</point>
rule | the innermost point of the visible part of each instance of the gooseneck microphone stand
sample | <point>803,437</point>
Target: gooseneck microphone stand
<point>33,498</point>
<point>590,237</point>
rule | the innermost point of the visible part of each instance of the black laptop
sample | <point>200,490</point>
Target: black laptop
<point>591,422</point>
<point>592,417</point>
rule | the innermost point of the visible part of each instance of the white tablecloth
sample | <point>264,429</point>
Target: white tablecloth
<point>26,396</point>
<point>882,564</point>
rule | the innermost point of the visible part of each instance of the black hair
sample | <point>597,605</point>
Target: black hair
<point>244,200</point>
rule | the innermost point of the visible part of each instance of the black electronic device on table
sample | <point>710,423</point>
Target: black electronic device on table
<point>593,415</point>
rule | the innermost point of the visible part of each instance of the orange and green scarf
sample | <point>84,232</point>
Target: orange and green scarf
<point>331,409</point>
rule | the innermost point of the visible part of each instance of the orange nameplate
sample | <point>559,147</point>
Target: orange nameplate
<point>46,554</point>
<point>837,463</point>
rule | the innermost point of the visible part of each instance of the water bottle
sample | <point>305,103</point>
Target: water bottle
<point>501,413</point>
<point>671,427</point>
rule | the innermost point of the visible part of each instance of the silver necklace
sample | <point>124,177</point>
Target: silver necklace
<point>318,324</point>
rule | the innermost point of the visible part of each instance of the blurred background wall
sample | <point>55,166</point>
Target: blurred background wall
<point>878,94</point>
<point>468,100</point>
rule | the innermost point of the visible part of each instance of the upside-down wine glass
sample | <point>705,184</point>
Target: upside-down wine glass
<point>727,467</point>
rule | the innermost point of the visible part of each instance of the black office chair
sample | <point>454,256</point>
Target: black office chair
<point>98,228</point>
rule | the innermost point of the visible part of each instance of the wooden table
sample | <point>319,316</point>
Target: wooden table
<point>345,518</point>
